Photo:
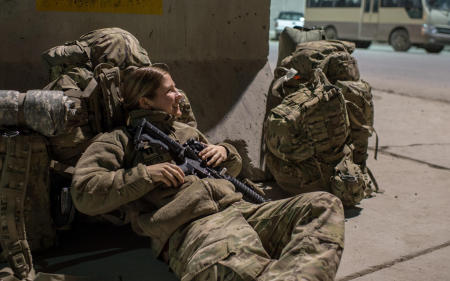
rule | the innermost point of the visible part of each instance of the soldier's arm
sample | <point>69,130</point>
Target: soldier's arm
<point>100,182</point>
<point>233,163</point>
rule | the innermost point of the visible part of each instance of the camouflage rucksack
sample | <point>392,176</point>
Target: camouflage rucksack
<point>299,162</point>
<point>307,133</point>
<point>24,163</point>
<point>24,199</point>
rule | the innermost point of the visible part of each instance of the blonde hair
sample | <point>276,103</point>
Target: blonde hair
<point>141,82</point>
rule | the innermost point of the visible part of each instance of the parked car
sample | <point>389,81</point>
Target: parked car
<point>288,19</point>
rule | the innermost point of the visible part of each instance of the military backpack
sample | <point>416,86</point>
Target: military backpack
<point>317,136</point>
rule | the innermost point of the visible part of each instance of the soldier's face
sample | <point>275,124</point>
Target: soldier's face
<point>167,97</point>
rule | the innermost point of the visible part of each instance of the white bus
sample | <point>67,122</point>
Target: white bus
<point>402,23</point>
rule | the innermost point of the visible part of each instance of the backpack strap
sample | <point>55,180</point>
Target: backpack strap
<point>370,129</point>
<point>375,183</point>
<point>90,88</point>
<point>12,222</point>
<point>90,95</point>
<point>109,81</point>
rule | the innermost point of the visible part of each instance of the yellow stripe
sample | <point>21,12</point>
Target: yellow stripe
<point>102,6</point>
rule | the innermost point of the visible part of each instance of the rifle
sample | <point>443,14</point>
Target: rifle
<point>186,157</point>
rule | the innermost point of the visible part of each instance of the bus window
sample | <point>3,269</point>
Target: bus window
<point>327,3</point>
<point>348,3</point>
<point>375,6</point>
<point>439,4</point>
<point>356,3</point>
<point>392,3</point>
<point>367,6</point>
<point>414,8</point>
<point>333,3</point>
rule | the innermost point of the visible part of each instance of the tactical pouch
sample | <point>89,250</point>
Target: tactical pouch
<point>348,182</point>
<point>302,177</point>
<point>340,66</point>
<point>111,99</point>
<point>311,122</point>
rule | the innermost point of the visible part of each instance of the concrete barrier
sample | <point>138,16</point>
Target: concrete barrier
<point>217,52</point>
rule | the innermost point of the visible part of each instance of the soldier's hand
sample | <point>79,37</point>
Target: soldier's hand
<point>215,153</point>
<point>169,174</point>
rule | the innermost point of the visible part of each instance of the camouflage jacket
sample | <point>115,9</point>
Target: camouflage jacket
<point>112,175</point>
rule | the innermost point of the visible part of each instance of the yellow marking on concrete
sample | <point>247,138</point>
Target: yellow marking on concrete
<point>154,7</point>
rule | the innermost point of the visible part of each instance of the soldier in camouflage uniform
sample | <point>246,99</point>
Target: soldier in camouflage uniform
<point>201,227</point>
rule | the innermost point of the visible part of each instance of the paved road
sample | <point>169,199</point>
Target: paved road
<point>414,73</point>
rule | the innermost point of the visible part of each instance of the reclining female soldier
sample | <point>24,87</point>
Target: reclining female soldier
<point>202,227</point>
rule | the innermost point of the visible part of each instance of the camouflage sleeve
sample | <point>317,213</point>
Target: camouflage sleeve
<point>100,182</point>
<point>234,160</point>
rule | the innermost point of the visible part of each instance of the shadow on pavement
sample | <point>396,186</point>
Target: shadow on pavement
<point>88,242</point>
<point>353,212</point>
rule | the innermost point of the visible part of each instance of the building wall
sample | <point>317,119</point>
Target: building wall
<point>216,50</point>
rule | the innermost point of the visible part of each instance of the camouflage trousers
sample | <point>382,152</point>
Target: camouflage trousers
<point>298,238</point>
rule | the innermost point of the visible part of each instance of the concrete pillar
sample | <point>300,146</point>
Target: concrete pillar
<point>216,50</point>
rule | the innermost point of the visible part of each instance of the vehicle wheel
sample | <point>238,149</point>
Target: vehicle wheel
<point>434,49</point>
<point>331,33</point>
<point>399,40</point>
<point>363,44</point>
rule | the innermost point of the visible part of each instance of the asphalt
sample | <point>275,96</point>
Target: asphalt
<point>404,233</point>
